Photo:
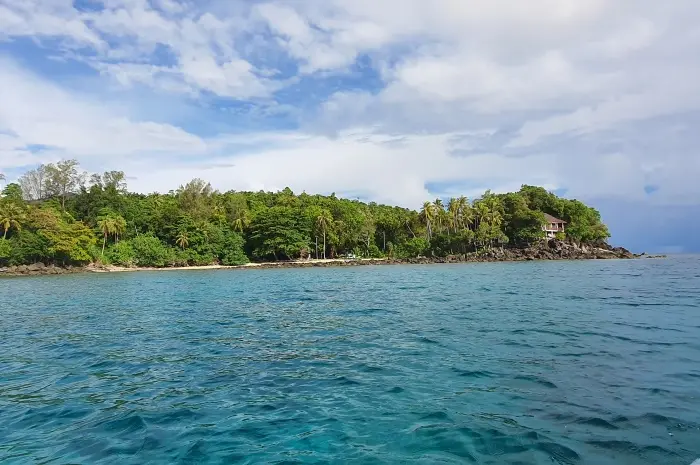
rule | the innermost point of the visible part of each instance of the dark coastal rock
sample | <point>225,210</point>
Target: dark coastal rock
<point>551,250</point>
<point>39,269</point>
<point>36,267</point>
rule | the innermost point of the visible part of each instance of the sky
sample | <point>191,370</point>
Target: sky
<point>395,101</point>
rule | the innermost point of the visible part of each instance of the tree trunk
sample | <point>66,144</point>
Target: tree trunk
<point>410,230</point>
<point>324,244</point>
<point>316,247</point>
<point>104,242</point>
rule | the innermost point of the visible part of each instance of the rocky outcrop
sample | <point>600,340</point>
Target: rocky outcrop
<point>551,250</point>
<point>38,269</point>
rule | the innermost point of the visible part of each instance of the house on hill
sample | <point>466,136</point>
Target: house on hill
<point>553,226</point>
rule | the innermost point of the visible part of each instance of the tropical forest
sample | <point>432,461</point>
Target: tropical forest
<point>58,214</point>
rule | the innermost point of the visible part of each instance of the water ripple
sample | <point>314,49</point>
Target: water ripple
<point>529,363</point>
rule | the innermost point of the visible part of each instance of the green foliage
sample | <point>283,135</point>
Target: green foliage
<point>12,192</point>
<point>121,254</point>
<point>27,247</point>
<point>583,222</point>
<point>73,222</point>
<point>67,241</point>
<point>231,252</point>
<point>412,248</point>
<point>279,232</point>
<point>522,224</point>
<point>5,252</point>
<point>150,251</point>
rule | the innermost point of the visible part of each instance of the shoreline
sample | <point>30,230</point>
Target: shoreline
<point>559,253</point>
<point>329,262</point>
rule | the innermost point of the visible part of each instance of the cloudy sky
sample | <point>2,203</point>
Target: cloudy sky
<point>390,100</point>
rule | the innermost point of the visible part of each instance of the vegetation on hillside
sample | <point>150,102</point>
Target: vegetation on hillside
<point>57,214</point>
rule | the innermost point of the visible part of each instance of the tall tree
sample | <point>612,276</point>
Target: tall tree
<point>33,183</point>
<point>63,179</point>
<point>323,223</point>
<point>195,198</point>
<point>427,214</point>
<point>11,216</point>
<point>13,193</point>
<point>106,225</point>
<point>182,240</point>
<point>119,227</point>
<point>466,213</point>
<point>439,212</point>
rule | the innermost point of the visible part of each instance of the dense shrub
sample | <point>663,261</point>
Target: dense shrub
<point>149,251</point>
<point>412,248</point>
<point>121,254</point>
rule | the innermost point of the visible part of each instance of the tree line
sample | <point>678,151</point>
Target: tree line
<point>58,214</point>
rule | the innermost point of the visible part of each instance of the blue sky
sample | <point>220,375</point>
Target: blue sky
<point>396,101</point>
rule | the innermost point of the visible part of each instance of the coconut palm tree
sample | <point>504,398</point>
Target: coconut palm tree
<point>439,210</point>
<point>219,214</point>
<point>2,177</point>
<point>466,213</point>
<point>119,227</point>
<point>241,221</point>
<point>481,212</point>
<point>454,209</point>
<point>182,239</point>
<point>11,216</point>
<point>106,225</point>
<point>323,222</point>
<point>427,213</point>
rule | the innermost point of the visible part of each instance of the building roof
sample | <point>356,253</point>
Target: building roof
<point>550,219</point>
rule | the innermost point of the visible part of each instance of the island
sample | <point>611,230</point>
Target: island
<point>56,219</point>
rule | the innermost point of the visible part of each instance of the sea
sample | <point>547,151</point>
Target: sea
<point>585,362</point>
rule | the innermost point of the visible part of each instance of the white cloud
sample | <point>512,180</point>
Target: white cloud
<point>36,112</point>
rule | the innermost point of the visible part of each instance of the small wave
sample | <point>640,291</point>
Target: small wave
<point>473,373</point>
<point>630,447</point>
<point>537,380</point>
<point>518,344</point>
<point>368,368</point>
<point>559,452</point>
<point>437,416</point>
<point>597,422</point>
<point>347,381</point>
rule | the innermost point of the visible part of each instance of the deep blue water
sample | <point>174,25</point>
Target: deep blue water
<point>593,362</point>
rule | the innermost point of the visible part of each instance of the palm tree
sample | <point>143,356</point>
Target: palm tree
<point>466,212</point>
<point>428,215</point>
<point>2,177</point>
<point>182,239</point>
<point>11,216</point>
<point>454,209</point>
<point>119,227</point>
<point>219,214</point>
<point>481,212</point>
<point>323,222</point>
<point>439,210</point>
<point>408,225</point>
<point>241,221</point>
<point>106,225</point>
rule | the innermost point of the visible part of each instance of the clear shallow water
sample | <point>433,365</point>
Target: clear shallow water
<point>533,363</point>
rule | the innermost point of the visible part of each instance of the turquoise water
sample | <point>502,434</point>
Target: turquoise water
<point>533,363</point>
